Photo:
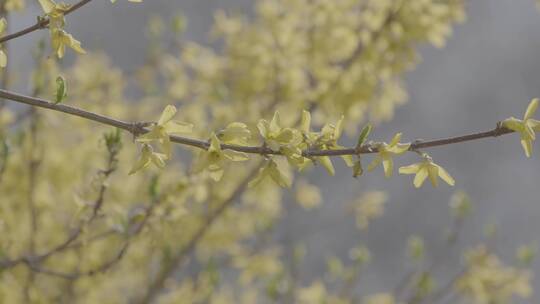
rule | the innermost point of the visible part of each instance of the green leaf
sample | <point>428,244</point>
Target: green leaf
<point>357,169</point>
<point>364,134</point>
<point>61,89</point>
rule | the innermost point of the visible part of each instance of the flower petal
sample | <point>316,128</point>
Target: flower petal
<point>143,161</point>
<point>178,127</point>
<point>158,159</point>
<point>443,174</point>
<point>154,134</point>
<point>215,145</point>
<point>388,166</point>
<point>278,177</point>
<point>534,124</point>
<point>376,161</point>
<point>338,128</point>
<point>166,146</point>
<point>411,169</point>
<point>531,109</point>
<point>3,25</point>
<point>3,59</point>
<point>420,177</point>
<point>275,123</point>
<point>305,122</point>
<point>327,164</point>
<point>527,146</point>
<point>262,125</point>
<point>235,155</point>
<point>47,5</point>
<point>167,114</point>
<point>433,174</point>
<point>395,140</point>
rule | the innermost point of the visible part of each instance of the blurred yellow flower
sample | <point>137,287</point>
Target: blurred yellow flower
<point>487,280</point>
<point>368,207</point>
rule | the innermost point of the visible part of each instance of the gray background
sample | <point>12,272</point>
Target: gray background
<point>489,70</point>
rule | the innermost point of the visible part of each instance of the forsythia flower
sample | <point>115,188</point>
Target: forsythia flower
<point>3,57</point>
<point>59,38</point>
<point>164,128</point>
<point>325,140</point>
<point>214,158</point>
<point>286,140</point>
<point>274,135</point>
<point>425,169</point>
<point>330,134</point>
<point>148,156</point>
<point>271,170</point>
<point>386,152</point>
<point>526,127</point>
<point>235,133</point>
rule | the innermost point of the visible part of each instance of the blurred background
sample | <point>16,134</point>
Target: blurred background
<point>489,70</point>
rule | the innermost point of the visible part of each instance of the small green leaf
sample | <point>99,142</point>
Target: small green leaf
<point>61,89</point>
<point>357,169</point>
<point>364,134</point>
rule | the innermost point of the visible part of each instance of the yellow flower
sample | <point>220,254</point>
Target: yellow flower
<point>326,140</point>
<point>386,152</point>
<point>271,170</point>
<point>215,158</point>
<point>60,39</point>
<point>425,169</point>
<point>148,156</point>
<point>286,140</point>
<point>3,57</point>
<point>526,127</point>
<point>164,128</point>
<point>274,135</point>
<point>55,12</point>
<point>235,133</point>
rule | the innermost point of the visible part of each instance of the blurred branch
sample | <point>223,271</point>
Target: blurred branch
<point>168,269</point>
<point>32,259</point>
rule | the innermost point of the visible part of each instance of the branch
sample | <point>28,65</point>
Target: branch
<point>138,128</point>
<point>168,269</point>
<point>40,23</point>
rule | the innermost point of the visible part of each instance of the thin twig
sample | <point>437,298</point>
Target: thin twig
<point>137,128</point>
<point>41,23</point>
<point>167,270</point>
